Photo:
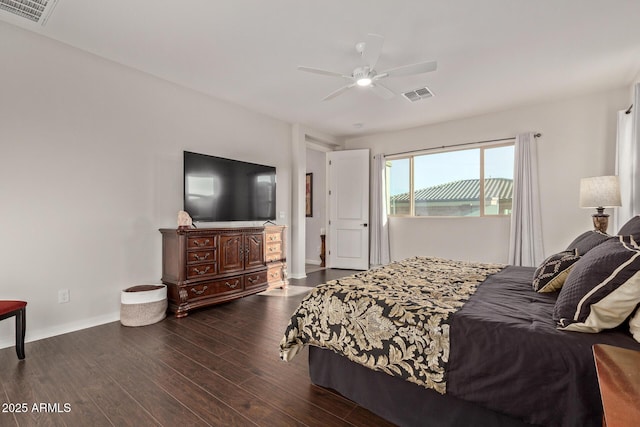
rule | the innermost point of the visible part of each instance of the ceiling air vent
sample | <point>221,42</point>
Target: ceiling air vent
<point>33,10</point>
<point>418,94</point>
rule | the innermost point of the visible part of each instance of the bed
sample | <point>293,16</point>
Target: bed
<point>434,342</point>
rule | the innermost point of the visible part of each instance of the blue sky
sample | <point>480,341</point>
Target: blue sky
<point>440,168</point>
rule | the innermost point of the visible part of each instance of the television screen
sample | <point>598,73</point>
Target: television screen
<point>218,189</point>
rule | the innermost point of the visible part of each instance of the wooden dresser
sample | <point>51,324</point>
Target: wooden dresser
<point>209,266</point>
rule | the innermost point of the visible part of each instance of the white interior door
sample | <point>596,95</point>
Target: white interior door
<point>348,173</point>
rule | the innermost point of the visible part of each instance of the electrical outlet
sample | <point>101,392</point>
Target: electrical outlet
<point>63,296</point>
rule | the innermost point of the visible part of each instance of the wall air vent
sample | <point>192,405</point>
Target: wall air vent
<point>418,94</point>
<point>34,10</point>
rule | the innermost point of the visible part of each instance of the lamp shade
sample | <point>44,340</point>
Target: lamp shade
<point>600,192</point>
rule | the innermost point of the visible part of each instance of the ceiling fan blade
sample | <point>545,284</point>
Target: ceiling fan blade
<point>320,71</point>
<point>372,49</point>
<point>407,70</point>
<point>338,92</point>
<point>382,91</point>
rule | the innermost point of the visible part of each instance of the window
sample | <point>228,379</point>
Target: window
<point>471,182</point>
<point>400,173</point>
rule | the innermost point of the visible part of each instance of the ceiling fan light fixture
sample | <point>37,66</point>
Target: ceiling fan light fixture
<point>363,76</point>
<point>363,82</point>
<point>366,76</point>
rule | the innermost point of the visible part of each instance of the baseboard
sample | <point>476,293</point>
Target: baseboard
<point>39,334</point>
<point>313,261</point>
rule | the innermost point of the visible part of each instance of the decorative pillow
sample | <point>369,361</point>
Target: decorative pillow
<point>602,289</point>
<point>631,227</point>
<point>634,325</point>
<point>587,241</point>
<point>553,271</point>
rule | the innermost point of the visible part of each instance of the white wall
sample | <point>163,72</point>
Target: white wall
<point>91,167</point>
<point>578,140</point>
<point>316,164</point>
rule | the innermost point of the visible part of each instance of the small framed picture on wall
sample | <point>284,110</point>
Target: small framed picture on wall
<point>309,194</point>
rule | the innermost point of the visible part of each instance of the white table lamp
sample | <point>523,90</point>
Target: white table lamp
<point>600,192</point>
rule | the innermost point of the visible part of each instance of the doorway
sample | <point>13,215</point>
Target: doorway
<point>315,208</point>
<point>303,138</point>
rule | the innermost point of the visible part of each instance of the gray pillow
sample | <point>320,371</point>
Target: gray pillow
<point>631,228</point>
<point>602,289</point>
<point>587,241</point>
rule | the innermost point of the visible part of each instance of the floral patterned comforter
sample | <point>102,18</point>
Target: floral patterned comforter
<point>393,319</point>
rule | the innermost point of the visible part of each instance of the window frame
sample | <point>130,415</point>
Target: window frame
<point>482,147</point>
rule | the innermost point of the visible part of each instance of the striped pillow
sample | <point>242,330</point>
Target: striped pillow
<point>602,289</point>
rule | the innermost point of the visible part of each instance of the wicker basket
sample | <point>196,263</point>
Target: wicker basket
<point>143,305</point>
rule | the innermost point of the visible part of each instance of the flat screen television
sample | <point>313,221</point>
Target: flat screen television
<point>219,189</point>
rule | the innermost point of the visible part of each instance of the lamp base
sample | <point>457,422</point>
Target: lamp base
<point>600,222</point>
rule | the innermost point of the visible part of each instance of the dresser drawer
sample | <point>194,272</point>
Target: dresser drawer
<point>274,251</point>
<point>201,242</point>
<point>274,248</point>
<point>255,280</point>
<point>201,270</point>
<point>274,273</point>
<point>201,256</point>
<point>274,237</point>
<point>214,288</point>
<point>273,257</point>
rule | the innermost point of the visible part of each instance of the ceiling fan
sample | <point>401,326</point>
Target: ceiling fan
<point>366,75</point>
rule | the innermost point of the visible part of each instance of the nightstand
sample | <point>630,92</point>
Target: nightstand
<point>619,380</point>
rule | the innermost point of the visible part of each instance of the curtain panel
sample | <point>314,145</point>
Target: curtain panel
<point>628,161</point>
<point>625,169</point>
<point>379,252</point>
<point>525,240</point>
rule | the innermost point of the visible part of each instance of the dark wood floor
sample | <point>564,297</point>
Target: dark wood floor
<point>218,366</point>
<point>321,276</point>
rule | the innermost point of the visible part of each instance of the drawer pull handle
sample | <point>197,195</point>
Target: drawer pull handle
<point>200,292</point>
<point>201,258</point>
<point>198,243</point>
<point>201,272</point>
<point>272,249</point>
<point>235,285</point>
<point>252,279</point>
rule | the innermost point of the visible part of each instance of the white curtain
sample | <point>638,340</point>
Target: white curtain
<point>625,169</point>
<point>525,242</point>
<point>628,162</point>
<point>379,221</point>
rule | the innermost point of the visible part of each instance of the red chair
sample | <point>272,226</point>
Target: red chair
<point>18,309</point>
